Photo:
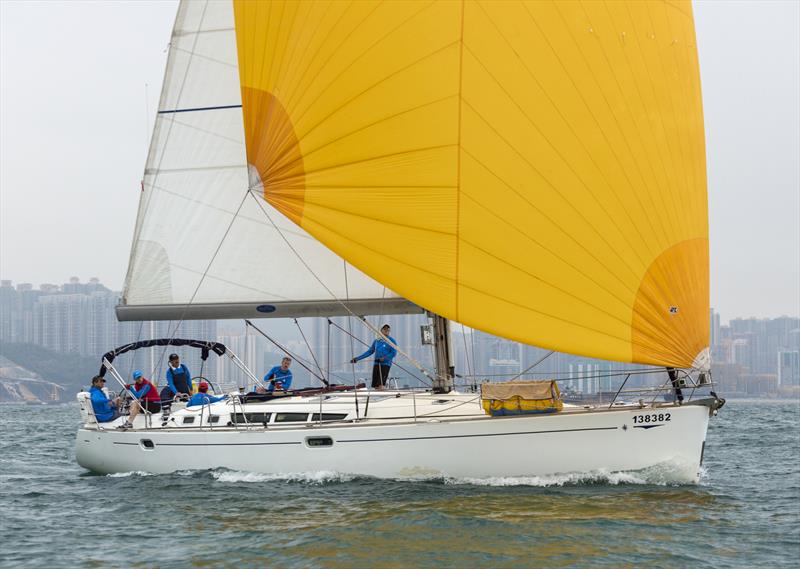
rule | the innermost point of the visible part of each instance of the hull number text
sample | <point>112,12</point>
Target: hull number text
<point>654,418</point>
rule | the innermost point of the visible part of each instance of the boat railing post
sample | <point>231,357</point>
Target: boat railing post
<point>233,414</point>
<point>694,384</point>
<point>414,401</point>
<point>666,386</point>
<point>115,374</point>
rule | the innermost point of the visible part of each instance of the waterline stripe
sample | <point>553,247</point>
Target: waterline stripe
<point>200,109</point>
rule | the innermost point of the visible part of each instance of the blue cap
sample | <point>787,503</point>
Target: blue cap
<point>137,374</point>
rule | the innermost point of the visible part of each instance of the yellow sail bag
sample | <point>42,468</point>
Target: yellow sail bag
<point>521,397</point>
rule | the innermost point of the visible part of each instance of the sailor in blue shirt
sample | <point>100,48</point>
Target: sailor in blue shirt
<point>104,409</point>
<point>279,377</point>
<point>203,398</point>
<point>384,356</point>
<point>179,380</point>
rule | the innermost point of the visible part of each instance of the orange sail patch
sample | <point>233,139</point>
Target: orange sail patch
<point>273,152</point>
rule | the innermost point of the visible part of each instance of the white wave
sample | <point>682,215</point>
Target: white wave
<point>318,477</point>
<point>664,474</point>
<point>132,473</point>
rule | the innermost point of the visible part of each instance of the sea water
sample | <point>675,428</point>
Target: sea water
<point>745,512</point>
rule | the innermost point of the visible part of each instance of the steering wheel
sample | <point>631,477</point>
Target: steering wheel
<point>200,378</point>
<point>124,399</point>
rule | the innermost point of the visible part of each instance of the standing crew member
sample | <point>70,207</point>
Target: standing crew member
<point>145,396</point>
<point>279,377</point>
<point>384,355</point>
<point>179,380</point>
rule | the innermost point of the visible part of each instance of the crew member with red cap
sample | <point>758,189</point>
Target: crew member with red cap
<point>202,397</point>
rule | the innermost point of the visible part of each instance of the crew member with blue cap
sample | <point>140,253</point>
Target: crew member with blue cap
<point>385,351</point>
<point>145,396</point>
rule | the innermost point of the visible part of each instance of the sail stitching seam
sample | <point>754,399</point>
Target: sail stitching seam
<point>671,195</point>
<point>322,121</point>
<point>629,111</point>
<point>458,160</point>
<point>535,169</point>
<point>578,138</point>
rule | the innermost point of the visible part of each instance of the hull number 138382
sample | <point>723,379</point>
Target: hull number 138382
<point>654,418</point>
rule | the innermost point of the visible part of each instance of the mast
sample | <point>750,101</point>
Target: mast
<point>443,348</point>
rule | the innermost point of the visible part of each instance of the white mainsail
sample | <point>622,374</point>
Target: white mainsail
<point>204,245</point>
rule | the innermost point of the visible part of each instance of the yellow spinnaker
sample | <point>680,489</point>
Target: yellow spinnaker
<point>535,170</point>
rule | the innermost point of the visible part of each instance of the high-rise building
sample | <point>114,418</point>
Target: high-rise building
<point>789,368</point>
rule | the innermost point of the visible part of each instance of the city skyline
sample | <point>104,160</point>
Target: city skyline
<point>750,356</point>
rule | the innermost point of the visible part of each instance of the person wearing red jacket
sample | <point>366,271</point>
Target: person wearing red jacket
<point>145,396</point>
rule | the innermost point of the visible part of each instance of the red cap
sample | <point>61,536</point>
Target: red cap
<point>203,386</point>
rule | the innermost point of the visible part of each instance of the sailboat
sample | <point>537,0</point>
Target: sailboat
<point>531,170</point>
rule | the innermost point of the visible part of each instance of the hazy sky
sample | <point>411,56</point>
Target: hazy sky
<point>74,130</point>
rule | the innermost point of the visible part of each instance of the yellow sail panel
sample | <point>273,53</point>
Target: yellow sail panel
<point>532,169</point>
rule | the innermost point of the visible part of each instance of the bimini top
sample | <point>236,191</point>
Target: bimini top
<point>205,346</point>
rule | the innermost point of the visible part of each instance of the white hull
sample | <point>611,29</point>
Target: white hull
<point>476,447</point>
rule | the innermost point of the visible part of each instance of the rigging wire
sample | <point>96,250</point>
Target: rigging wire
<point>350,333</point>
<point>310,351</point>
<point>375,330</point>
<point>298,359</point>
<point>362,342</point>
<point>540,360</point>
<point>205,272</point>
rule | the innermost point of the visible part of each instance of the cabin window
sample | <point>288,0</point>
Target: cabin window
<point>245,418</point>
<point>188,420</point>
<point>329,416</point>
<point>291,417</point>
<point>213,418</point>
<point>319,441</point>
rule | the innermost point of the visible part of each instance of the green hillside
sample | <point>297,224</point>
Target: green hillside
<point>71,371</point>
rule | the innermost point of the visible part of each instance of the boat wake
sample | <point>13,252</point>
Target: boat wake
<point>664,474</point>
<point>313,478</point>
